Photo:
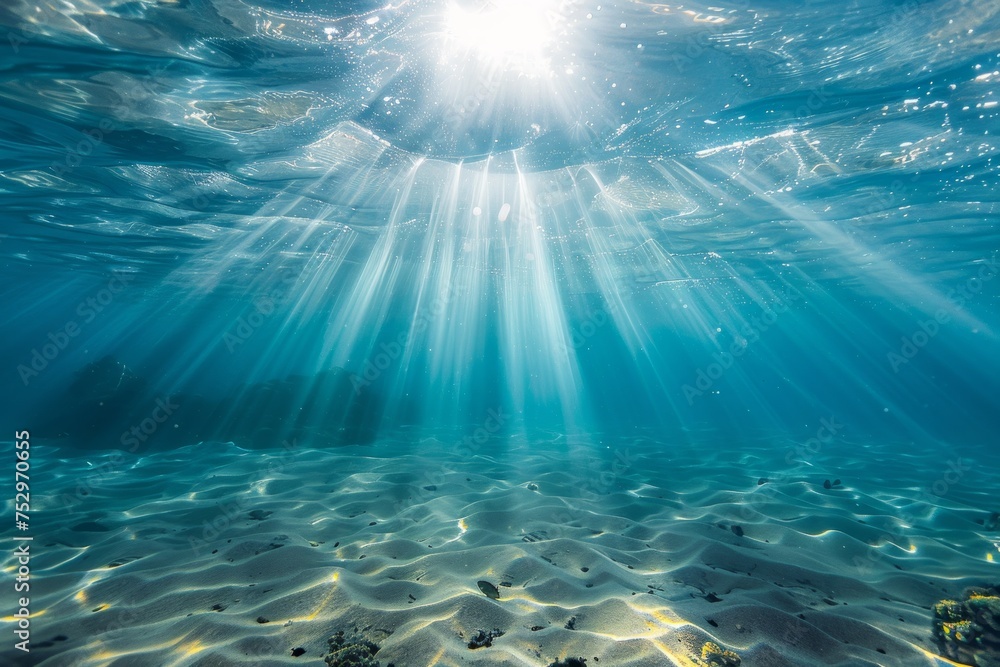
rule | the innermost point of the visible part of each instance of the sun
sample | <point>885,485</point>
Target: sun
<point>510,35</point>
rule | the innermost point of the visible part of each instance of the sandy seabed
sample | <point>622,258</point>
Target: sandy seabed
<point>626,552</point>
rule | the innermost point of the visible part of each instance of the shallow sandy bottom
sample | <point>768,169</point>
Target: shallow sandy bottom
<point>624,552</point>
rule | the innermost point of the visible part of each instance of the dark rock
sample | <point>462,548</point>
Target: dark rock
<point>992,522</point>
<point>762,481</point>
<point>571,624</point>
<point>261,619</point>
<point>483,639</point>
<point>570,662</point>
<point>827,484</point>
<point>737,530</point>
<point>968,630</point>
<point>488,589</point>
<point>712,597</point>
<point>296,652</point>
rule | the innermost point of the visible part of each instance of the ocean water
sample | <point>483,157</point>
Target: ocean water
<point>366,303</point>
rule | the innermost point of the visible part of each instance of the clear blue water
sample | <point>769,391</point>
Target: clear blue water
<point>732,229</point>
<point>800,186</point>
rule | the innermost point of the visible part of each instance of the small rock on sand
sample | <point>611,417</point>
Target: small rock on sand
<point>488,589</point>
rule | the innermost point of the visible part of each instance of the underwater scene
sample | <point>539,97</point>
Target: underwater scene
<point>515,333</point>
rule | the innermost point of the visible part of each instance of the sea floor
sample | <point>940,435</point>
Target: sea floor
<point>625,551</point>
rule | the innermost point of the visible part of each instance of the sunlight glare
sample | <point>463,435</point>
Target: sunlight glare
<point>513,35</point>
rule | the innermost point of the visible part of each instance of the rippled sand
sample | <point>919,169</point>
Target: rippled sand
<point>625,553</point>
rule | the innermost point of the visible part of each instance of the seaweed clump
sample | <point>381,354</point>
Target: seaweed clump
<point>715,656</point>
<point>352,651</point>
<point>968,630</point>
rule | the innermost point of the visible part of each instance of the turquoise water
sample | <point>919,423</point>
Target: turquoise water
<point>746,217</point>
<point>336,224</point>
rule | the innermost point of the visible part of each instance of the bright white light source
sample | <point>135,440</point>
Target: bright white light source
<point>509,34</point>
